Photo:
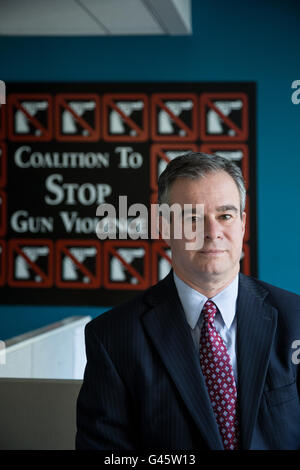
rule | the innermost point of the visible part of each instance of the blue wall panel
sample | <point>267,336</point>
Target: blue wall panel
<point>232,41</point>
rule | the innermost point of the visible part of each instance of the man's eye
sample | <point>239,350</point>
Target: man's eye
<point>226,216</point>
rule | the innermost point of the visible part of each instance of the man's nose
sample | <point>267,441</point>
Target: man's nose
<point>212,229</point>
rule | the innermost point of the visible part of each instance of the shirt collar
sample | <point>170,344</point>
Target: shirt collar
<point>193,301</point>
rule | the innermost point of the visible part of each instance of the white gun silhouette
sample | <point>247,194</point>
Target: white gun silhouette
<point>165,122</point>
<point>21,120</point>
<point>117,268</point>
<point>69,269</point>
<point>69,125</point>
<point>116,123</point>
<point>22,269</point>
<point>214,121</point>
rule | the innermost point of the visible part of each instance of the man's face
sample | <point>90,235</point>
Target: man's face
<point>218,259</point>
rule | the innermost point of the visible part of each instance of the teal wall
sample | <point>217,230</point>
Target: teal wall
<point>236,40</point>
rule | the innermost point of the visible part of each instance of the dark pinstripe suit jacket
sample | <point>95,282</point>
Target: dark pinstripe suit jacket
<point>143,388</point>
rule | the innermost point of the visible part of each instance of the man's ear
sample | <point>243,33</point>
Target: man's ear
<point>244,217</point>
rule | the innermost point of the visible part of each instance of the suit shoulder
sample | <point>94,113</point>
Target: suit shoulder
<point>115,317</point>
<point>276,295</point>
<point>126,316</point>
<point>281,293</point>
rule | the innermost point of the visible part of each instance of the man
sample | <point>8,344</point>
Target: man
<point>203,359</point>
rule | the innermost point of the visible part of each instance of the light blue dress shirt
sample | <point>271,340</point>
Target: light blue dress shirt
<point>225,320</point>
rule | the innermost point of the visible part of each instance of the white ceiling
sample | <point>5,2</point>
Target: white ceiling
<point>95,17</point>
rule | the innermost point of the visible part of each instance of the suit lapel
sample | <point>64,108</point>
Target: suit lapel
<point>170,334</point>
<point>256,324</point>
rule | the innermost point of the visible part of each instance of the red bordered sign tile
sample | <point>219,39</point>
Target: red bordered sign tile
<point>2,121</point>
<point>125,117</point>
<point>126,265</point>
<point>77,264</point>
<point>248,219</point>
<point>160,260</point>
<point>161,155</point>
<point>174,117</point>
<point>3,211</point>
<point>239,153</point>
<point>154,221</point>
<point>154,198</point>
<point>77,117</point>
<point>246,260</point>
<point>3,165</point>
<point>30,263</point>
<point>224,116</point>
<point>30,117</point>
<point>2,262</point>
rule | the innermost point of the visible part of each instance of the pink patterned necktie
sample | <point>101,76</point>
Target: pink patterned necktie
<point>219,378</point>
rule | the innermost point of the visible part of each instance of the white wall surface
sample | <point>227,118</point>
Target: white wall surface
<point>54,352</point>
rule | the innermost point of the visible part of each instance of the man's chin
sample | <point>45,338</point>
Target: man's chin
<point>212,268</point>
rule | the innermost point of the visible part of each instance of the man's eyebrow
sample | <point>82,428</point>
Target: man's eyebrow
<point>227,207</point>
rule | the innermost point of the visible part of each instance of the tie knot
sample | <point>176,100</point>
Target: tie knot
<point>209,310</point>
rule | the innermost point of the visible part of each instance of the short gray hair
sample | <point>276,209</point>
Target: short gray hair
<point>197,165</point>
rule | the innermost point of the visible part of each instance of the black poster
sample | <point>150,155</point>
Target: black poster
<point>66,148</point>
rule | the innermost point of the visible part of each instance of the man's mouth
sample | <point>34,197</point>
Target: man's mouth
<point>212,252</point>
